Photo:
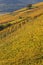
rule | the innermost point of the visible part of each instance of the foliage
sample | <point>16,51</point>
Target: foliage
<point>29,6</point>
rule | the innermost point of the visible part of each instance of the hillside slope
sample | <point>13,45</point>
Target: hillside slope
<point>25,45</point>
<point>15,15</point>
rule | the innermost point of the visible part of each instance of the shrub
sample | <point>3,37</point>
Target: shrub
<point>20,17</point>
<point>29,6</point>
<point>1,27</point>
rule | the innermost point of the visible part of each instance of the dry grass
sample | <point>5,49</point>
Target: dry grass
<point>15,15</point>
<point>24,46</point>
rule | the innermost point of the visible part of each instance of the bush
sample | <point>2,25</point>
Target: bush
<point>1,27</point>
<point>29,6</point>
<point>20,17</point>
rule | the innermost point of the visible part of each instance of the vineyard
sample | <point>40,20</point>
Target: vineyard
<point>21,43</point>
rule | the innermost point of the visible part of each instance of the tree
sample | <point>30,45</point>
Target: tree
<point>29,6</point>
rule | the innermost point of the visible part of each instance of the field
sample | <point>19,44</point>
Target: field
<point>22,42</point>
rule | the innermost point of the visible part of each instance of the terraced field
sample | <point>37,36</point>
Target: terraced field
<point>22,42</point>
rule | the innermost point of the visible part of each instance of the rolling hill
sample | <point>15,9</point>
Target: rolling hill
<point>21,42</point>
<point>12,5</point>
